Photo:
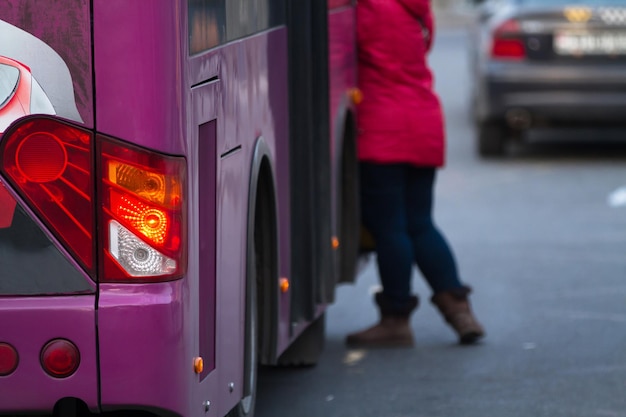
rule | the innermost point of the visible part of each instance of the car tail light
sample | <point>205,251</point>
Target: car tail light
<point>140,203</point>
<point>507,42</point>
<point>143,213</point>
<point>60,358</point>
<point>8,359</point>
<point>7,207</point>
<point>49,162</point>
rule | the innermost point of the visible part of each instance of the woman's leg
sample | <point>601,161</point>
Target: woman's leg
<point>382,213</point>
<point>383,194</point>
<point>432,253</point>
<point>435,259</point>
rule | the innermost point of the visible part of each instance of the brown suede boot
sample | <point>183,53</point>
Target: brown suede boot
<point>392,331</point>
<point>456,310</point>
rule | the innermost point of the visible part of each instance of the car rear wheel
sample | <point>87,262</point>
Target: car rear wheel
<point>491,139</point>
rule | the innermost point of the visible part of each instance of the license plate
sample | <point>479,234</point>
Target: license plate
<point>599,43</point>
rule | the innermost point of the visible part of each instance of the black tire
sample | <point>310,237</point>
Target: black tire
<point>245,407</point>
<point>492,139</point>
<point>307,348</point>
<point>256,265</point>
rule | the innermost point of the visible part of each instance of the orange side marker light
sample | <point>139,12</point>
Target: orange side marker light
<point>198,365</point>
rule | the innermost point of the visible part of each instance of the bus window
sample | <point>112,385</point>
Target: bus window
<point>213,22</point>
<point>207,24</point>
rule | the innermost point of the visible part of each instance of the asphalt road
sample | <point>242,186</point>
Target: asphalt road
<point>541,236</point>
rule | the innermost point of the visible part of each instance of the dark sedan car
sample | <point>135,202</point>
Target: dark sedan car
<point>545,63</point>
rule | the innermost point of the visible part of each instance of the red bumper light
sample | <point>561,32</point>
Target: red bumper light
<point>60,358</point>
<point>8,359</point>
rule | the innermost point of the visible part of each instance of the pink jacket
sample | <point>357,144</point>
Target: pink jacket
<point>400,118</point>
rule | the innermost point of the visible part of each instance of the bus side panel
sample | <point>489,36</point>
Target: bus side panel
<point>207,303</point>
<point>146,331</point>
<point>144,358</point>
<point>139,57</point>
<point>252,74</point>
<point>149,103</point>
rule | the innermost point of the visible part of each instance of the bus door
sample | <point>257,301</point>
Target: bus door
<point>312,261</point>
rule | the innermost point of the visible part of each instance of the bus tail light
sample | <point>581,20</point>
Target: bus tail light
<point>8,359</point>
<point>60,358</point>
<point>49,162</point>
<point>140,209</point>
<point>143,214</point>
<point>507,42</point>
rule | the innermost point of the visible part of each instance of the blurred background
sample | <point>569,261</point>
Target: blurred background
<point>539,231</point>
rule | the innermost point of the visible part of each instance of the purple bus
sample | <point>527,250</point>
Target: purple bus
<point>178,199</point>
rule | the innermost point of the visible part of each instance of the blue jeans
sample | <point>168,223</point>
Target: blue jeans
<point>396,207</point>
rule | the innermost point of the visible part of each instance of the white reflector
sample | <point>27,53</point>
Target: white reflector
<point>135,256</point>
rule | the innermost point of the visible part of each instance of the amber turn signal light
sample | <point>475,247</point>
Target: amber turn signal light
<point>198,365</point>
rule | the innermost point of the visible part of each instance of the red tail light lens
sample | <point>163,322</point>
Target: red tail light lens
<point>60,358</point>
<point>143,213</point>
<point>507,43</point>
<point>508,48</point>
<point>49,163</point>
<point>8,359</point>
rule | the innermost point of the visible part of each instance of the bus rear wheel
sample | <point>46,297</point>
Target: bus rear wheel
<point>259,267</point>
<point>307,348</point>
<point>245,407</point>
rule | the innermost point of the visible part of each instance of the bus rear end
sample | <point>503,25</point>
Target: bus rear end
<point>75,230</point>
<point>177,199</point>
<point>48,333</point>
<point>83,214</point>
<point>47,315</point>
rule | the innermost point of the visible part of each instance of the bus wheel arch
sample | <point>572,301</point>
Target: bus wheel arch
<point>265,240</point>
<point>261,276</point>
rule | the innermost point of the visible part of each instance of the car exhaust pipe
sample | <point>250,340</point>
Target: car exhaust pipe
<point>518,118</point>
